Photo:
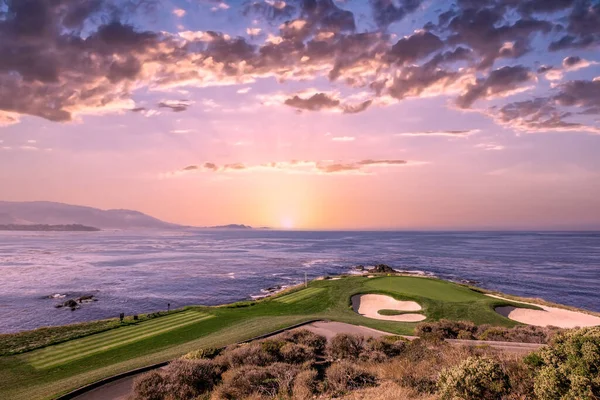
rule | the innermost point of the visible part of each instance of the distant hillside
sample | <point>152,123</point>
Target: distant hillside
<point>48,228</point>
<point>49,213</point>
<point>230,226</point>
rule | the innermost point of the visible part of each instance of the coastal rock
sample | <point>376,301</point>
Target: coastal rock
<point>71,303</point>
<point>359,268</point>
<point>75,304</point>
<point>382,269</point>
<point>88,298</point>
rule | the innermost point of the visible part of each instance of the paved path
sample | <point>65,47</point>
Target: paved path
<point>117,390</point>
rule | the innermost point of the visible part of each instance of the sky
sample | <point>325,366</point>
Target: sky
<point>306,114</point>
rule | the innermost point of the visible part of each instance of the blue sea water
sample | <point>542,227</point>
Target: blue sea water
<point>137,272</point>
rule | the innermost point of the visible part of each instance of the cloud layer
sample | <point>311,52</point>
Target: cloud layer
<point>64,58</point>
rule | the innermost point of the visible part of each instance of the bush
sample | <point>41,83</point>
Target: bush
<point>193,377</point>
<point>305,385</point>
<point>292,353</point>
<point>524,334</point>
<point>344,376</point>
<point>149,386</point>
<point>181,379</point>
<point>445,329</point>
<point>241,382</point>
<point>272,347</point>
<point>344,346</point>
<point>208,353</point>
<point>569,368</point>
<point>388,346</point>
<point>303,336</point>
<point>247,354</point>
<point>474,379</point>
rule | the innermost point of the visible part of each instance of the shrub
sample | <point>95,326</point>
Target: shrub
<point>569,368</point>
<point>188,379</point>
<point>305,385</point>
<point>272,347</point>
<point>303,336</point>
<point>344,346</point>
<point>149,386</point>
<point>246,380</point>
<point>344,376</point>
<point>524,334</point>
<point>444,329</point>
<point>208,353</point>
<point>474,379</point>
<point>465,335</point>
<point>247,354</point>
<point>296,353</point>
<point>249,380</point>
<point>181,379</point>
<point>388,346</point>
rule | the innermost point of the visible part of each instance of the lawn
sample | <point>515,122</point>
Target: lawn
<point>47,372</point>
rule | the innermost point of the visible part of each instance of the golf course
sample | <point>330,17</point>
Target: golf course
<point>51,370</point>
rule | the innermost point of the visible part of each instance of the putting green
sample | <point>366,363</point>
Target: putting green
<point>47,372</point>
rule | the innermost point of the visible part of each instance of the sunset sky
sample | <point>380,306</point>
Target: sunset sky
<point>306,114</point>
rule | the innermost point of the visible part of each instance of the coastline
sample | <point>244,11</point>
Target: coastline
<point>61,367</point>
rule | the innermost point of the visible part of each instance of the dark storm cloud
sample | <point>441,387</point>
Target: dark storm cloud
<point>499,81</point>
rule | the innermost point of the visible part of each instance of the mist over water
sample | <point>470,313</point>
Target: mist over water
<point>137,272</point>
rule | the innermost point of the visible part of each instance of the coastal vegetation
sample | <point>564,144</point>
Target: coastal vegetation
<point>298,365</point>
<point>51,370</point>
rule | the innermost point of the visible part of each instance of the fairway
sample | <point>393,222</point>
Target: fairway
<point>85,347</point>
<point>299,295</point>
<point>46,372</point>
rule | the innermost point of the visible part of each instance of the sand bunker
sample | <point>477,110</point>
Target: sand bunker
<point>548,316</point>
<point>368,305</point>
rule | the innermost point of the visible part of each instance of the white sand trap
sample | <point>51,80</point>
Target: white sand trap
<point>548,316</point>
<point>368,305</point>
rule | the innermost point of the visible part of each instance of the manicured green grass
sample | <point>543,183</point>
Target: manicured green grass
<point>63,353</point>
<point>299,295</point>
<point>47,372</point>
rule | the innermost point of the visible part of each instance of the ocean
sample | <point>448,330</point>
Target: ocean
<point>139,272</point>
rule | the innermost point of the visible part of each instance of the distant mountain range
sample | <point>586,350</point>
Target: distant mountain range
<point>45,214</point>
<point>49,213</point>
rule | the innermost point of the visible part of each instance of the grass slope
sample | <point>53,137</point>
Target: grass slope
<point>47,372</point>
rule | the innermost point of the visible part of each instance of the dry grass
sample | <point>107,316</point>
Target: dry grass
<point>387,391</point>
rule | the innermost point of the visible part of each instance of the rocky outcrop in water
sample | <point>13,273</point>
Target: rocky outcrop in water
<point>76,303</point>
<point>382,269</point>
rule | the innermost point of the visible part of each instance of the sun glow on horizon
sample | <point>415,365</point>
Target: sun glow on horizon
<point>287,223</point>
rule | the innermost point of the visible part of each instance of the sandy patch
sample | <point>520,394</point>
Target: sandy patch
<point>548,316</point>
<point>368,306</point>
